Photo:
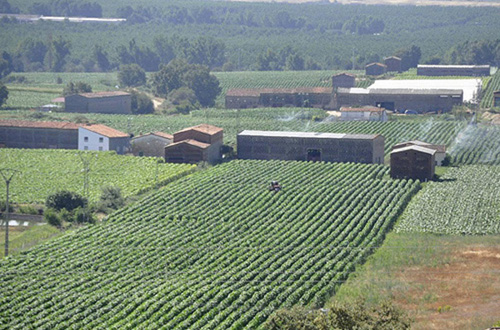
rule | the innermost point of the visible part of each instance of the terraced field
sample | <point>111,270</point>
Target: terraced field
<point>215,250</point>
<point>45,171</point>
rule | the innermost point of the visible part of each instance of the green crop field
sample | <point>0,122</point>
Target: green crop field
<point>465,202</point>
<point>44,171</point>
<point>213,250</point>
<point>277,119</point>
<point>477,144</point>
<point>492,86</point>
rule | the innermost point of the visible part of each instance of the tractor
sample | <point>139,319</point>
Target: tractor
<point>274,186</point>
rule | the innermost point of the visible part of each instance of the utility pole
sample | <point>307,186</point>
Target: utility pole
<point>7,175</point>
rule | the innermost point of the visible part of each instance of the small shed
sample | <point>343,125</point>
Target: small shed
<point>345,80</point>
<point>363,114</point>
<point>413,162</point>
<point>440,149</point>
<point>102,138</point>
<point>496,99</point>
<point>151,145</point>
<point>375,69</point>
<point>393,64</point>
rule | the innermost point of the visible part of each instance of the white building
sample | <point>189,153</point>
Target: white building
<point>363,114</point>
<point>102,138</point>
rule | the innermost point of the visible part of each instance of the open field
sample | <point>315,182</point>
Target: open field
<point>22,238</point>
<point>43,172</point>
<point>215,249</point>
<point>443,282</point>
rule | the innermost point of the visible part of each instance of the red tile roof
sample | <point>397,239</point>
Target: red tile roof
<point>105,131</point>
<point>103,94</point>
<point>39,124</point>
<point>345,74</point>
<point>191,142</point>
<point>204,128</point>
<point>377,64</point>
<point>58,100</point>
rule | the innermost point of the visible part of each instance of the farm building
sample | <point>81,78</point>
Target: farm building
<point>413,162</point>
<point>102,138</point>
<point>393,64</point>
<point>102,102</point>
<point>151,145</point>
<point>401,99</point>
<point>453,70</point>
<point>440,149</point>
<point>310,146</point>
<point>375,69</point>
<point>316,97</point>
<point>345,80</point>
<point>363,114</point>
<point>496,99</point>
<point>38,134</point>
<point>195,144</point>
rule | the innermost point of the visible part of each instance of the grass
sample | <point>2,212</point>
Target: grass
<point>429,275</point>
<point>22,238</point>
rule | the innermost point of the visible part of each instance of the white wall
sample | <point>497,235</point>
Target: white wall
<point>88,140</point>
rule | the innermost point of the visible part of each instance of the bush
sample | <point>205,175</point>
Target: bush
<point>83,215</point>
<point>52,218</point>
<point>65,200</point>
<point>141,103</point>
<point>28,209</point>
<point>131,75</point>
<point>111,199</point>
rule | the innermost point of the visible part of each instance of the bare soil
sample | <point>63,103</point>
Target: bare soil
<point>462,294</point>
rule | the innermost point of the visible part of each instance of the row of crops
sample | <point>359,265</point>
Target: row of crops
<point>493,86</point>
<point>213,250</point>
<point>45,171</point>
<point>465,202</point>
<point>476,144</point>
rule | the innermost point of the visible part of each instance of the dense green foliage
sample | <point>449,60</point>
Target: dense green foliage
<point>76,88</point>
<point>353,315</point>
<point>223,32</point>
<point>493,86</point>
<point>465,201</point>
<point>131,75</point>
<point>214,249</point>
<point>141,103</point>
<point>4,94</point>
<point>43,172</point>
<point>65,200</point>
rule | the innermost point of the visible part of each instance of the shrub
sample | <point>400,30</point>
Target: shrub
<point>65,200</point>
<point>52,218</point>
<point>83,215</point>
<point>28,209</point>
<point>111,198</point>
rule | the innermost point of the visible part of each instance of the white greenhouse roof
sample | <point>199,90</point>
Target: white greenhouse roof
<point>469,86</point>
<point>283,134</point>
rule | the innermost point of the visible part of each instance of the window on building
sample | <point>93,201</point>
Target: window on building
<point>101,140</point>
<point>85,148</point>
<point>86,139</point>
<point>100,148</point>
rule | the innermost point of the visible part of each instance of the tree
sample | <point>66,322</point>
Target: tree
<point>141,103</point>
<point>6,8</point>
<point>410,57</point>
<point>61,49</point>
<point>111,198</point>
<point>131,75</point>
<point>65,200</point>
<point>101,58</point>
<point>4,94</point>
<point>169,77</point>
<point>76,88</point>
<point>205,85</point>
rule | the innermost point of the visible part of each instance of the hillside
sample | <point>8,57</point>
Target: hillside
<point>212,250</point>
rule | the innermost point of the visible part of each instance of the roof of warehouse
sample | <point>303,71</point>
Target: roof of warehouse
<point>103,94</point>
<point>437,147</point>
<point>256,92</point>
<point>363,109</point>
<point>39,124</point>
<point>105,130</point>
<point>415,91</point>
<point>415,148</point>
<point>437,66</point>
<point>309,135</point>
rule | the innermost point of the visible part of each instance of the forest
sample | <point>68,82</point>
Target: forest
<point>241,36</point>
